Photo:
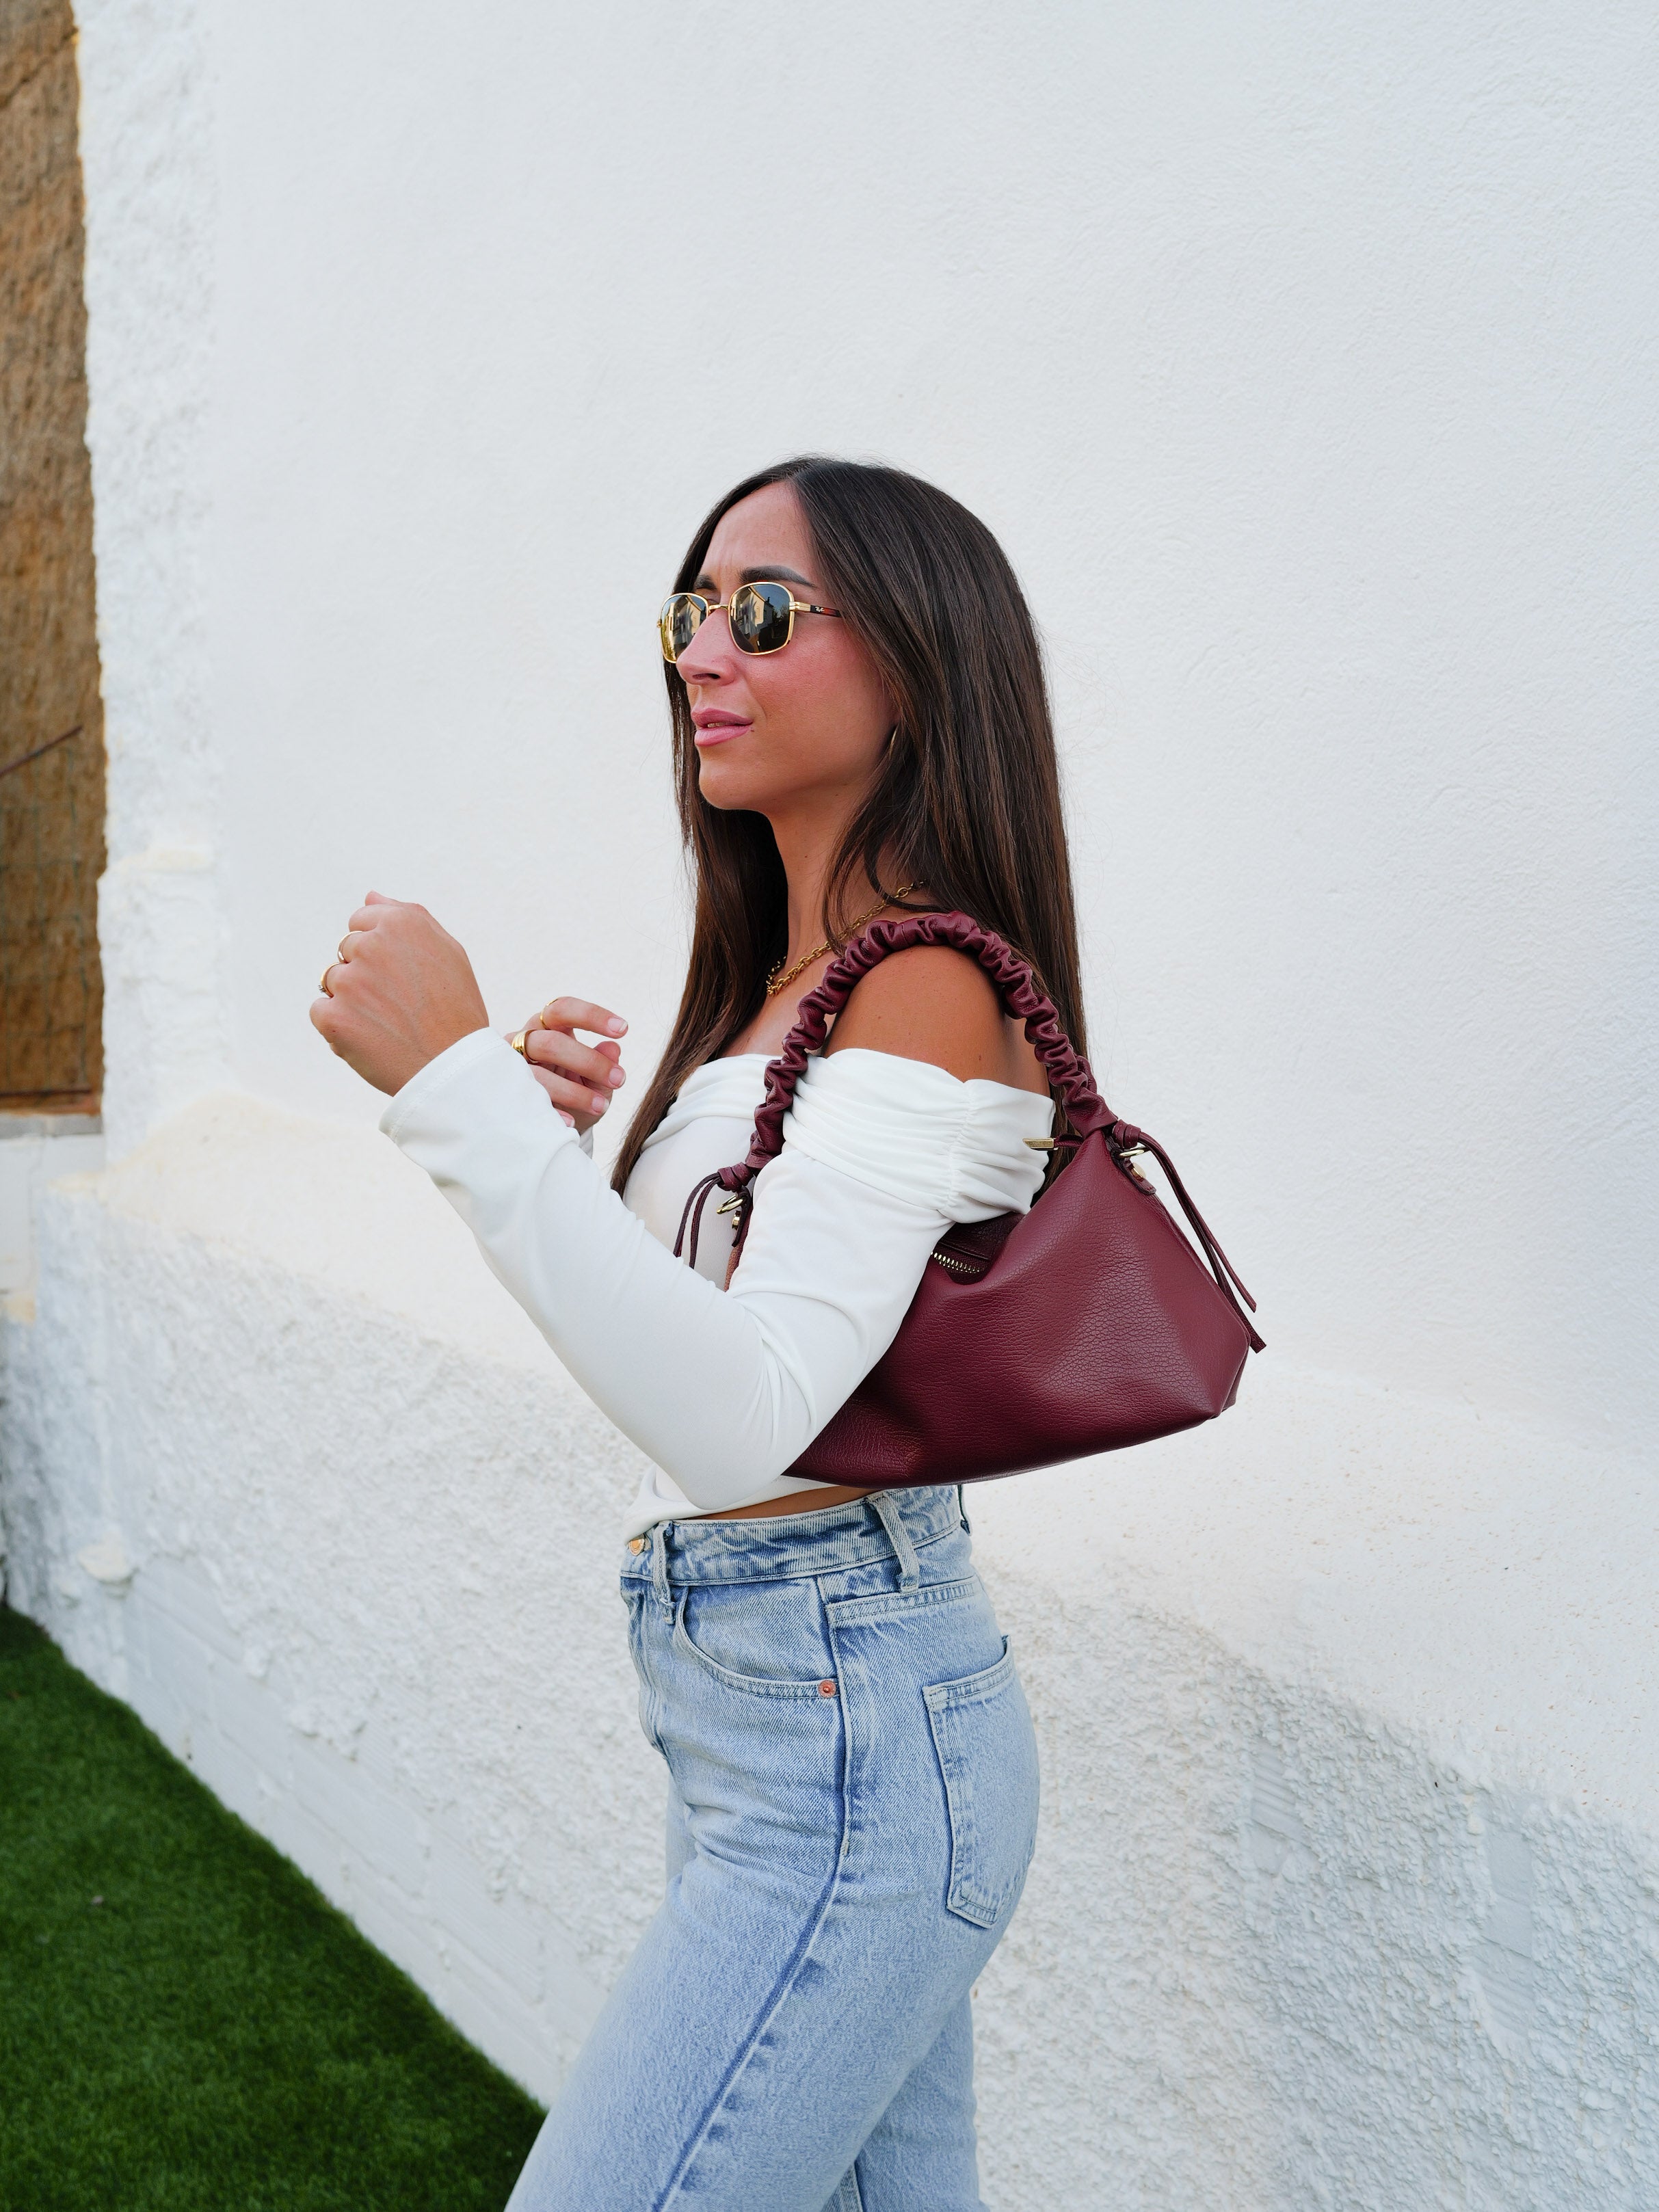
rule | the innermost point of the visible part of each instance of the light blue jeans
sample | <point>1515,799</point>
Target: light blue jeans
<point>853,1807</point>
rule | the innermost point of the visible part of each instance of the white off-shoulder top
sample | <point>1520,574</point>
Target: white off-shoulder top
<point>721,1388</point>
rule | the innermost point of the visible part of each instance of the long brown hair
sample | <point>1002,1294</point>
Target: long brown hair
<point>967,799</point>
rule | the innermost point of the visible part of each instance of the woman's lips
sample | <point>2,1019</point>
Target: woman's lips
<point>718,727</point>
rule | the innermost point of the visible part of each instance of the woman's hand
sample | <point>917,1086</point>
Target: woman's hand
<point>401,992</point>
<point>579,1078</point>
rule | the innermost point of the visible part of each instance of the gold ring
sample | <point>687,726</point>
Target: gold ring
<point>518,1045</point>
<point>341,953</point>
<point>323,985</point>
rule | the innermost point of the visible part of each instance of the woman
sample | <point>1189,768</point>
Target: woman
<point>860,726</point>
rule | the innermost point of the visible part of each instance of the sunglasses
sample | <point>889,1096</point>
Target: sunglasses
<point>762,616</point>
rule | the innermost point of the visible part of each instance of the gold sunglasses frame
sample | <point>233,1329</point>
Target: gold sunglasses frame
<point>724,607</point>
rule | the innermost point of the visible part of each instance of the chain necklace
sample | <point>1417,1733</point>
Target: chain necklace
<point>780,978</point>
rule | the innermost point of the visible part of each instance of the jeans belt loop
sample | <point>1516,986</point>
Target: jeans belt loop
<point>892,1520</point>
<point>660,1566</point>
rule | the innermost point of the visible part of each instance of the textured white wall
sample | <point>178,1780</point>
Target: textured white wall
<point>151,182</point>
<point>1300,356</point>
<point>1347,1886</point>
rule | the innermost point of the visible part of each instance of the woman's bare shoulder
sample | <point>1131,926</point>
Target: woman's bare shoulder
<point>933,1004</point>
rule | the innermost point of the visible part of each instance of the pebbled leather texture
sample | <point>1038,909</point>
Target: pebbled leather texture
<point>1086,1325</point>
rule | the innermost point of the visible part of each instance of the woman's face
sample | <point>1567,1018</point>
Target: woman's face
<point>780,733</point>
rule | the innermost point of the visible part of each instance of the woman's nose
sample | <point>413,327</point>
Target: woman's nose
<point>711,657</point>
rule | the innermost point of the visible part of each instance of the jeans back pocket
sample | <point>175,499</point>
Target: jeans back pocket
<point>987,1755</point>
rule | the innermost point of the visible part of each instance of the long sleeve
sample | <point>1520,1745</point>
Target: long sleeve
<point>723,1388</point>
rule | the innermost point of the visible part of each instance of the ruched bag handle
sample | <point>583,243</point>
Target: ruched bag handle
<point>1069,1073</point>
<point>1067,1070</point>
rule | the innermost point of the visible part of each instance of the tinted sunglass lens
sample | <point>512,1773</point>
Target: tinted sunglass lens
<point>681,619</point>
<point>760,617</point>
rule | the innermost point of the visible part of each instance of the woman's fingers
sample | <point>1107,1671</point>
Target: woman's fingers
<point>573,1100</point>
<point>607,1049</point>
<point>582,1014</point>
<point>588,1073</point>
<point>580,1078</point>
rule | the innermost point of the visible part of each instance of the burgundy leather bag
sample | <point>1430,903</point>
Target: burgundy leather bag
<point>1084,1325</point>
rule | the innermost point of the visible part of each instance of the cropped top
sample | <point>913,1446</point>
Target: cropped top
<point>722,1388</point>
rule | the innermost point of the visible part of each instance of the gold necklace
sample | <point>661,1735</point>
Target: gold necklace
<point>779,979</point>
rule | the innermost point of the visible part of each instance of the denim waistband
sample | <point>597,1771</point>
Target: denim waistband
<point>779,1546</point>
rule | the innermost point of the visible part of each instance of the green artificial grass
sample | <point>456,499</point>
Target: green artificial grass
<point>186,2026</point>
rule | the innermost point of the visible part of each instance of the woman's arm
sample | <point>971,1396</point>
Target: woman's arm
<point>724,1389</point>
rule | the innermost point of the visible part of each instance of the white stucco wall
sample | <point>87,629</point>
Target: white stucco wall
<point>1301,358</point>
